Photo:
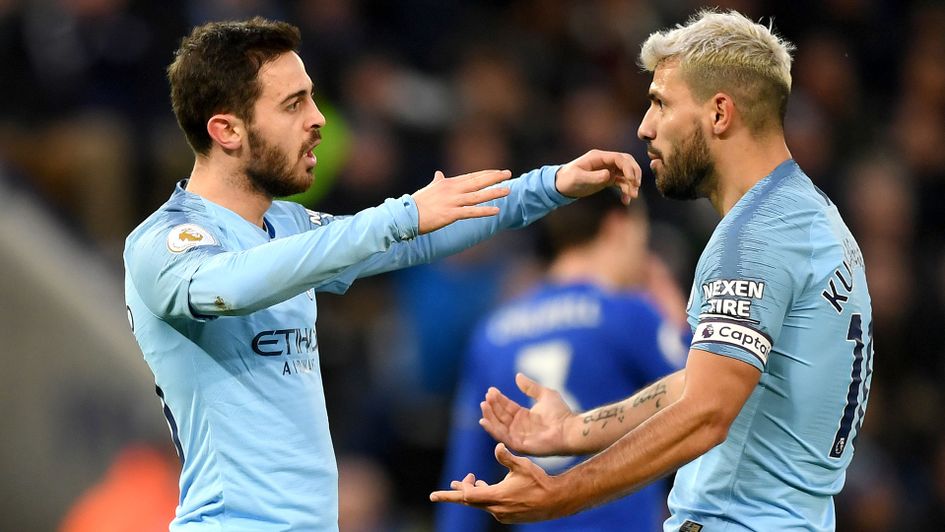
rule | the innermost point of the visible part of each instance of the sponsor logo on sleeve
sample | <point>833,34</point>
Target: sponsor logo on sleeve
<point>186,236</point>
<point>734,333</point>
<point>318,218</point>
<point>731,297</point>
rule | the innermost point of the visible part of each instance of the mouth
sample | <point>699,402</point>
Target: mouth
<point>308,156</point>
<point>655,159</point>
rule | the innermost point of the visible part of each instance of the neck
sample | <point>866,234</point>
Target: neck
<point>228,187</point>
<point>741,163</point>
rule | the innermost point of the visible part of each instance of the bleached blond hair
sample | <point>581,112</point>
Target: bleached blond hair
<point>727,52</point>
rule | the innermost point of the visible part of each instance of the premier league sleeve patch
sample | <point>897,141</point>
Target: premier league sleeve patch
<point>186,236</point>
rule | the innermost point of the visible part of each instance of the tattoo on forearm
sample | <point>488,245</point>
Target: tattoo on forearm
<point>603,415</point>
<point>657,392</point>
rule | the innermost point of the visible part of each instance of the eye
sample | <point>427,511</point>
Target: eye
<point>294,106</point>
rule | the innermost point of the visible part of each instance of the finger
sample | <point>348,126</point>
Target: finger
<point>495,424</point>
<point>478,496</point>
<point>628,167</point>
<point>490,418</point>
<point>476,212</point>
<point>484,179</point>
<point>507,459</point>
<point>503,407</point>
<point>481,483</point>
<point>438,176</point>
<point>628,191</point>
<point>603,176</point>
<point>447,496</point>
<point>482,196</point>
<point>528,386</point>
<point>477,173</point>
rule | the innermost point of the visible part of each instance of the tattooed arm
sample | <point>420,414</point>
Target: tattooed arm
<point>597,429</point>
<point>716,387</point>
<point>550,428</point>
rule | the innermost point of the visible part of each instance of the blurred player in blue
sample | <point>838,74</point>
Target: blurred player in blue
<point>762,422</point>
<point>220,281</point>
<point>589,330</point>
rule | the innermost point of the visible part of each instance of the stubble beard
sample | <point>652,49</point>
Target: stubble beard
<point>685,175</point>
<point>272,172</point>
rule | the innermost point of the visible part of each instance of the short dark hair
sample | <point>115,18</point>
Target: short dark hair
<point>215,71</point>
<point>580,222</point>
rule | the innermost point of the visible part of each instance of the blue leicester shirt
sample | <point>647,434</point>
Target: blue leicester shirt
<point>781,286</point>
<point>224,312</point>
<point>592,345</point>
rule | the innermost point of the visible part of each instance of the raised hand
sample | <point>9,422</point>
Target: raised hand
<point>526,493</point>
<point>538,431</point>
<point>446,200</point>
<point>596,170</point>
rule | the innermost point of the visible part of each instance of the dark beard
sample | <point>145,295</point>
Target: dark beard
<point>685,174</point>
<point>270,171</point>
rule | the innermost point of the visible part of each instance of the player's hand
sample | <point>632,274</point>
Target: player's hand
<point>526,493</point>
<point>538,431</point>
<point>596,170</point>
<point>446,200</point>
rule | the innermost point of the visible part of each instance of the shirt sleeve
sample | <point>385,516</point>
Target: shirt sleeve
<point>162,261</point>
<point>204,280</point>
<point>746,290</point>
<point>531,196</point>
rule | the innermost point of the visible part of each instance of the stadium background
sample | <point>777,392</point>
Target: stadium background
<point>89,147</point>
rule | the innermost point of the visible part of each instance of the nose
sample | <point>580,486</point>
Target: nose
<point>317,119</point>
<point>646,132</point>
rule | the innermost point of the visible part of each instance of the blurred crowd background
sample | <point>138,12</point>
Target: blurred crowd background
<point>89,147</point>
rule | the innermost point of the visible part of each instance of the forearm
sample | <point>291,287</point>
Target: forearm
<point>597,429</point>
<point>531,196</point>
<point>674,436</point>
<point>235,283</point>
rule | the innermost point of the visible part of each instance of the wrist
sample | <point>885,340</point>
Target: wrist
<point>568,497</point>
<point>562,182</point>
<point>571,435</point>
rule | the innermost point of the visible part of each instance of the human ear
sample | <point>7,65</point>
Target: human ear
<point>723,112</point>
<point>226,130</point>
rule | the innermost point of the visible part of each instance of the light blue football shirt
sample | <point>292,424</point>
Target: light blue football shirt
<point>224,312</point>
<point>781,286</point>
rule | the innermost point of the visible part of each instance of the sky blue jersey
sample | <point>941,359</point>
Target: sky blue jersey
<point>781,286</point>
<point>224,312</point>
<point>592,345</point>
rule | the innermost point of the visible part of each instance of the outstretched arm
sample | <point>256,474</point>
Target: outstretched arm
<point>715,390</point>
<point>530,197</point>
<point>550,428</point>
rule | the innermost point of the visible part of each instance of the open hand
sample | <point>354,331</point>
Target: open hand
<point>539,431</point>
<point>446,200</point>
<point>526,493</point>
<point>596,170</point>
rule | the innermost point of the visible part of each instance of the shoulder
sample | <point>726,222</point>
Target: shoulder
<point>181,224</point>
<point>773,222</point>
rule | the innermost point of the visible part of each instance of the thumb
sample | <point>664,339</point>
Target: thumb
<point>505,457</point>
<point>528,386</point>
<point>438,176</point>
